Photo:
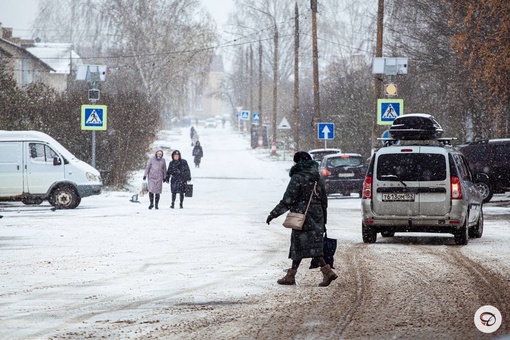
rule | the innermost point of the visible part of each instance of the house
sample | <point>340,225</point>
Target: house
<point>206,101</point>
<point>31,62</point>
<point>25,67</point>
<point>61,58</point>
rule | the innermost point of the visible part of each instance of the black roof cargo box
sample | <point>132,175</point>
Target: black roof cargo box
<point>416,126</point>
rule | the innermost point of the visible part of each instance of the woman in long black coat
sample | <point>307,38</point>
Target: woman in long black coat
<point>180,174</point>
<point>309,241</point>
<point>197,153</point>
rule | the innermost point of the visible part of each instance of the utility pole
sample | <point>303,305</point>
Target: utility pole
<point>296,78</point>
<point>260,95</point>
<point>275,85</point>
<point>315,54</point>
<point>378,77</point>
<point>251,87</point>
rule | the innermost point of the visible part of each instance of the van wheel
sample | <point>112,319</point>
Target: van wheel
<point>369,234</point>
<point>461,236</point>
<point>387,233</point>
<point>65,197</point>
<point>485,190</point>
<point>477,230</point>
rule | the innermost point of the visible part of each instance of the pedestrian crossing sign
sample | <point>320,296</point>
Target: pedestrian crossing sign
<point>388,110</point>
<point>93,117</point>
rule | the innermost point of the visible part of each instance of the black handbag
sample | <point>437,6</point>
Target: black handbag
<point>188,192</point>
<point>329,250</point>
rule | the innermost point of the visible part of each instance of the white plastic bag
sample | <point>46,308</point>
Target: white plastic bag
<point>145,188</point>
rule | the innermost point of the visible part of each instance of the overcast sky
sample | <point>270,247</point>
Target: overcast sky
<point>20,14</point>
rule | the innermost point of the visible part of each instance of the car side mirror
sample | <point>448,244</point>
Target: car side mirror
<point>57,161</point>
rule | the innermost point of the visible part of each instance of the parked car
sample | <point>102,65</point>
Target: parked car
<point>343,173</point>
<point>317,154</point>
<point>211,122</point>
<point>491,157</point>
<point>420,185</point>
<point>34,167</point>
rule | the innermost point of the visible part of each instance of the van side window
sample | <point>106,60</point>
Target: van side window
<point>462,168</point>
<point>41,153</point>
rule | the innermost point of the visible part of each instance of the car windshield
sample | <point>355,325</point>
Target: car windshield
<point>344,161</point>
<point>411,167</point>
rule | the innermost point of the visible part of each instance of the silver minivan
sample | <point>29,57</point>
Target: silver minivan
<point>422,185</point>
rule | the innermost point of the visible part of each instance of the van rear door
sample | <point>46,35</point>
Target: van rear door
<point>411,182</point>
<point>434,182</point>
<point>11,169</point>
<point>41,172</point>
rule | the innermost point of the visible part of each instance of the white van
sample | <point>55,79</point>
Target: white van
<point>35,167</point>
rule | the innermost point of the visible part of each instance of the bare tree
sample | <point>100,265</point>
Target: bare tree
<point>154,45</point>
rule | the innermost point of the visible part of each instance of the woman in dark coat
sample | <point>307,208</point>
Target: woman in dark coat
<point>180,173</point>
<point>155,171</point>
<point>197,153</point>
<point>309,241</point>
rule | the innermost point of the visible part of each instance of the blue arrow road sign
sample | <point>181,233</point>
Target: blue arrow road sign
<point>326,131</point>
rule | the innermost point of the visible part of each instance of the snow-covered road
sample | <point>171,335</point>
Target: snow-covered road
<point>114,268</point>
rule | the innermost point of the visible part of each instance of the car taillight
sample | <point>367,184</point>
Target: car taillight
<point>367,187</point>
<point>325,172</point>
<point>456,188</point>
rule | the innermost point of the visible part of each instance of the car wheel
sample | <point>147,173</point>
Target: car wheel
<point>369,234</point>
<point>387,233</point>
<point>477,230</point>
<point>65,197</point>
<point>461,236</point>
<point>485,190</point>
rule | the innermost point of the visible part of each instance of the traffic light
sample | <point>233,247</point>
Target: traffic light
<point>390,89</point>
<point>94,94</point>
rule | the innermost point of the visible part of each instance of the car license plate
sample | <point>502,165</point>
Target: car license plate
<point>402,197</point>
<point>346,174</point>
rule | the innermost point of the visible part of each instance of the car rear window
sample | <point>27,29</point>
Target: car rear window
<point>411,167</point>
<point>319,155</point>
<point>344,161</point>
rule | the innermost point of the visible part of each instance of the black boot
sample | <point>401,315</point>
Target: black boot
<point>157,201</point>
<point>173,200</point>
<point>151,199</point>
<point>181,200</point>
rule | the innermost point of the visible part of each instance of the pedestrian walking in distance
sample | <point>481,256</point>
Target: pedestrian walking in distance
<point>194,139</point>
<point>197,153</point>
<point>155,172</point>
<point>192,133</point>
<point>308,242</point>
<point>178,174</point>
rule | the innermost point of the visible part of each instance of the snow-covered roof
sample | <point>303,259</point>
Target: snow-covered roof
<point>57,55</point>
